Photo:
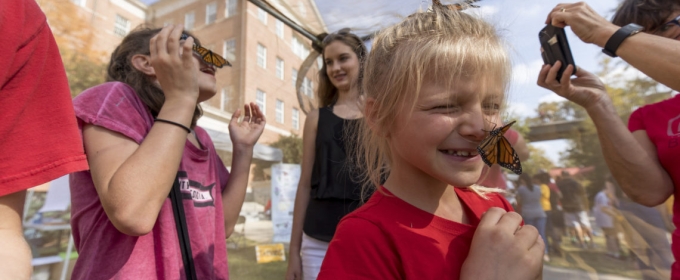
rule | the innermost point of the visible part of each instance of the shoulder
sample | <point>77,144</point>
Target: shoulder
<point>20,21</point>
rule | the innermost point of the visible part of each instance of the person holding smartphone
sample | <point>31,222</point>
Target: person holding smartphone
<point>644,157</point>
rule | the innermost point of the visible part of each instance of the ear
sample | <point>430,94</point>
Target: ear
<point>371,110</point>
<point>143,64</point>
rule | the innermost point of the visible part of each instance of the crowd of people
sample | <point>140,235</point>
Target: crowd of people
<point>392,185</point>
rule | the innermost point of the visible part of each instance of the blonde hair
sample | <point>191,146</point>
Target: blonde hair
<point>440,44</point>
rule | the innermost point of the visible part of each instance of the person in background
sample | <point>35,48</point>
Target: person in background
<point>38,133</point>
<point>531,205</point>
<point>644,157</point>
<point>574,204</point>
<point>328,188</point>
<point>603,206</point>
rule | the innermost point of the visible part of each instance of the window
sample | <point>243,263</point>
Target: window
<point>296,119</point>
<point>210,13</point>
<point>279,111</point>
<point>189,21</point>
<point>300,49</point>
<point>261,101</point>
<point>294,75</point>
<point>262,15</point>
<point>122,26</point>
<point>279,28</point>
<point>319,62</point>
<point>307,87</point>
<point>261,56</point>
<point>229,49</point>
<point>231,8</point>
<point>279,68</point>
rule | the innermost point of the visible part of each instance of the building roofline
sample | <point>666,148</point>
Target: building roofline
<point>318,14</point>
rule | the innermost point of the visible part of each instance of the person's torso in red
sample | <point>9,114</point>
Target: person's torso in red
<point>387,238</point>
<point>661,122</point>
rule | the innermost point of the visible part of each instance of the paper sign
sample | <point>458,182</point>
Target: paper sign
<point>270,253</point>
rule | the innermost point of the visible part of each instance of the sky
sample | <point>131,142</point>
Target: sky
<point>518,22</point>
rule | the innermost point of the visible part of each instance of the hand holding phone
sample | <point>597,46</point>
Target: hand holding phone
<point>554,47</point>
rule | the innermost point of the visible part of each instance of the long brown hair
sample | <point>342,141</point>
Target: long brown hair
<point>327,92</point>
<point>121,69</point>
<point>650,14</point>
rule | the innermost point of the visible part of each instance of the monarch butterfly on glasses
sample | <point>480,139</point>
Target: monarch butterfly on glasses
<point>495,148</point>
<point>457,6</point>
<point>207,55</point>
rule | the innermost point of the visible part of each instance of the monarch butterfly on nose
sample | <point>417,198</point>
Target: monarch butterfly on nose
<point>207,55</point>
<point>495,148</point>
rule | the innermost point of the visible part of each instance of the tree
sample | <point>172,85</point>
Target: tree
<point>85,65</point>
<point>291,146</point>
<point>537,161</point>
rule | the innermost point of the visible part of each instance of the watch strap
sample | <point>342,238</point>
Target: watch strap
<point>619,36</point>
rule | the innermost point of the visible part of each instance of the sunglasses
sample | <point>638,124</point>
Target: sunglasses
<point>207,55</point>
<point>667,26</point>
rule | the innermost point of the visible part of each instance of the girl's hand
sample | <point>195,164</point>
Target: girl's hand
<point>587,24</point>
<point>245,133</point>
<point>585,90</point>
<point>294,271</point>
<point>174,65</point>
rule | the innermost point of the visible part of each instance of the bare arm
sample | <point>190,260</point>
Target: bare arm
<point>133,180</point>
<point>302,195</point>
<point>244,135</point>
<point>631,157</point>
<point>656,56</point>
<point>15,256</point>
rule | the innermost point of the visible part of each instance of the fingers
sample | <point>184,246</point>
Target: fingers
<point>565,80</point>
<point>248,113</point>
<point>510,222</point>
<point>526,237</point>
<point>173,40</point>
<point>491,217</point>
<point>542,76</point>
<point>187,51</point>
<point>258,116</point>
<point>162,40</point>
<point>234,117</point>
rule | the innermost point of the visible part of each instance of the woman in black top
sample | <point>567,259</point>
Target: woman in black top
<point>327,190</point>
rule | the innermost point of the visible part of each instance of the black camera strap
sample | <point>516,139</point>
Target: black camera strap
<point>182,230</point>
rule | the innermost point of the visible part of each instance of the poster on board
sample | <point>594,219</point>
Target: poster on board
<point>285,178</point>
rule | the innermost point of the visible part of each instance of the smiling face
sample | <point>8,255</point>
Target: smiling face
<point>437,142</point>
<point>342,65</point>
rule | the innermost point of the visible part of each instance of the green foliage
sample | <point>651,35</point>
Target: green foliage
<point>291,146</point>
<point>537,160</point>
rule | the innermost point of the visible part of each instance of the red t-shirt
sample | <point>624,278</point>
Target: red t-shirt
<point>38,132</point>
<point>387,238</point>
<point>493,176</point>
<point>661,121</point>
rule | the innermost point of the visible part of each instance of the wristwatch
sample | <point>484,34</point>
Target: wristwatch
<point>615,40</point>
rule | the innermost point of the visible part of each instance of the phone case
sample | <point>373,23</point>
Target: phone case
<point>554,47</point>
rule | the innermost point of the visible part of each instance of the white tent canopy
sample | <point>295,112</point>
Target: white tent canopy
<point>219,133</point>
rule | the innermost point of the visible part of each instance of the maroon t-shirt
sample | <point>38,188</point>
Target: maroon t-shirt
<point>106,253</point>
<point>661,122</point>
<point>388,238</point>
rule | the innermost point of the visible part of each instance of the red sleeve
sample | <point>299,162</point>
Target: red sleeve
<point>38,134</point>
<point>360,250</point>
<point>636,120</point>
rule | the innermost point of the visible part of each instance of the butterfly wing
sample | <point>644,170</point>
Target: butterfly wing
<point>507,157</point>
<point>217,60</point>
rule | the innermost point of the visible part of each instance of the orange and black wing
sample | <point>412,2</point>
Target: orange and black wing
<point>495,148</point>
<point>210,57</point>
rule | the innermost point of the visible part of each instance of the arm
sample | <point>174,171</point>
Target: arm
<point>134,180</point>
<point>656,56</point>
<point>631,157</point>
<point>303,194</point>
<point>244,135</point>
<point>15,256</point>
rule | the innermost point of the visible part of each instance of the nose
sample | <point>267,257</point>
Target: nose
<point>473,125</point>
<point>335,66</point>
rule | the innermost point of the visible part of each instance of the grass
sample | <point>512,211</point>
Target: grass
<point>243,263</point>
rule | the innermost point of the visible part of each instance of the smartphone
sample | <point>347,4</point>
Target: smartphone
<point>554,47</point>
